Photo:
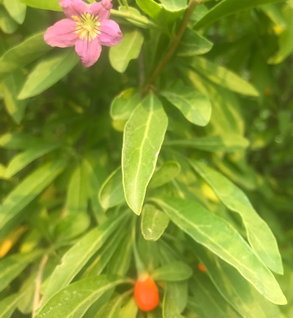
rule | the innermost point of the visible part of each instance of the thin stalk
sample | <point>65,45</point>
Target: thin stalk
<point>140,268</point>
<point>129,15</point>
<point>169,54</point>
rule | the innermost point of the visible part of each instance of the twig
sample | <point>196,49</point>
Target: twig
<point>187,15</point>
<point>38,284</point>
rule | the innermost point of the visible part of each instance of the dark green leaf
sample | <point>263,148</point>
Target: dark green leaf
<point>172,272</point>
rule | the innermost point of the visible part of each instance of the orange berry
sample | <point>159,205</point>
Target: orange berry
<point>202,268</point>
<point>146,293</point>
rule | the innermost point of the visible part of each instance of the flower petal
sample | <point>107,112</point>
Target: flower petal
<point>73,7</point>
<point>61,34</point>
<point>101,9</point>
<point>110,33</point>
<point>89,52</point>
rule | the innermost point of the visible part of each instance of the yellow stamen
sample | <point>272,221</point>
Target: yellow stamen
<point>87,26</point>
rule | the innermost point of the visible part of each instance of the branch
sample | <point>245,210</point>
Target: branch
<point>187,15</point>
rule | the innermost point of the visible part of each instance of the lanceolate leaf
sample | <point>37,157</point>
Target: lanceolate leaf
<point>23,159</point>
<point>153,223</point>
<point>259,234</point>
<point>13,265</point>
<point>194,105</point>
<point>228,143</point>
<point>16,9</point>
<point>28,189</point>
<point>234,288</point>
<point>228,7</point>
<point>23,54</point>
<point>77,192</point>
<point>170,308</point>
<point>167,172</point>
<point>172,272</point>
<point>143,138</point>
<point>77,256</point>
<point>193,44</point>
<point>209,299</point>
<point>9,304</point>
<point>111,192</point>
<point>48,72</point>
<point>223,77</point>
<point>127,50</point>
<point>43,4</point>
<point>74,300</point>
<point>223,240</point>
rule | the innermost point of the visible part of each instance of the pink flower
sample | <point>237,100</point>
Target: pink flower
<point>87,27</point>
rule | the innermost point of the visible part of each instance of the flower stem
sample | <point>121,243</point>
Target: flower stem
<point>140,19</point>
<point>169,54</point>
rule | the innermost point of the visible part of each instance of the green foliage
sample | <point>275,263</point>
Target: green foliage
<point>174,150</point>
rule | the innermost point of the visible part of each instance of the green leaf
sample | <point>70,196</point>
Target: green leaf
<point>77,192</point>
<point>234,288</point>
<point>174,5</point>
<point>77,256</point>
<point>222,239</point>
<point>230,143</point>
<point>227,117</point>
<point>178,291</point>
<point>74,300</point>
<point>11,266</point>
<point>208,298</point>
<point>9,304</point>
<point>7,24</point>
<point>170,308</point>
<point>194,105</point>
<point>23,159</point>
<point>10,88</point>
<point>20,141</point>
<point>228,7</point>
<point>153,223</point>
<point>106,253</point>
<point>135,17</point>
<point>23,54</point>
<point>172,272</point>
<point>49,71</point>
<point>223,77</point>
<point>285,38</point>
<point>129,310</point>
<point>111,192</point>
<point>127,50</point>
<point>274,12</point>
<point>120,262</point>
<point>28,189</point>
<point>143,137</point>
<point>151,8</point>
<point>71,226</point>
<point>259,234</point>
<point>167,172</point>
<point>44,4</point>
<point>124,104</point>
<point>193,43</point>
<point>16,9</point>
<point>111,309</point>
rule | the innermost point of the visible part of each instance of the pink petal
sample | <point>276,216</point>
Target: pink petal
<point>73,7</point>
<point>89,52</point>
<point>61,34</point>
<point>101,9</point>
<point>110,33</point>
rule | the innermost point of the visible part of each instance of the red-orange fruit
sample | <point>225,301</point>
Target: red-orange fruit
<point>201,267</point>
<point>146,293</point>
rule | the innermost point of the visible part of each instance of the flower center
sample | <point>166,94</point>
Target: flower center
<point>87,26</point>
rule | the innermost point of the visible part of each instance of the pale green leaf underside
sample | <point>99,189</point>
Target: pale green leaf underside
<point>143,137</point>
<point>259,234</point>
<point>153,223</point>
<point>223,240</point>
